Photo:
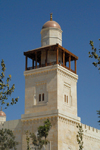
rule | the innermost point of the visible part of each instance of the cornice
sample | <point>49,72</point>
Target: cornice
<point>40,70</point>
<point>51,114</point>
<point>48,69</point>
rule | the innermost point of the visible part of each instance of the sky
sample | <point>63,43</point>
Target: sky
<point>20,25</point>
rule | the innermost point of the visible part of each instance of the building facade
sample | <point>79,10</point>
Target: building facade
<point>51,93</point>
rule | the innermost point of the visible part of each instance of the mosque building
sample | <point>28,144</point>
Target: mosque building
<point>51,93</point>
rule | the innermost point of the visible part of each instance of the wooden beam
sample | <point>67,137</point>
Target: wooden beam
<point>68,52</point>
<point>31,52</point>
<point>32,63</point>
<point>63,58</point>
<point>26,63</point>
<point>69,62</point>
<point>75,66</point>
<point>36,59</point>
<point>39,63</point>
<point>57,55</point>
<point>46,58</point>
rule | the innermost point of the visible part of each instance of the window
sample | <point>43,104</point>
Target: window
<point>39,97</point>
<point>43,97</point>
<point>66,99</point>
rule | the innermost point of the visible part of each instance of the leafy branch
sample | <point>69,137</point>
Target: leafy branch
<point>79,137</point>
<point>5,89</point>
<point>94,55</point>
<point>41,138</point>
<point>7,140</point>
<point>98,112</point>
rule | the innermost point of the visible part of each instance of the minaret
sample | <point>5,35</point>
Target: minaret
<point>44,79</point>
<point>2,116</point>
<point>51,87</point>
<point>51,33</point>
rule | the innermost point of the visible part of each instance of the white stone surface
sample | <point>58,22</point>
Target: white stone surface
<point>2,119</point>
<point>50,36</point>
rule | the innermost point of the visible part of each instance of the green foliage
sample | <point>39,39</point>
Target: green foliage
<point>98,112</point>
<point>43,130</point>
<point>93,54</point>
<point>5,89</point>
<point>41,138</point>
<point>28,140</point>
<point>79,137</point>
<point>7,140</point>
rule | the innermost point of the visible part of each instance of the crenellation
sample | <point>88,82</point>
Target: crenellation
<point>90,130</point>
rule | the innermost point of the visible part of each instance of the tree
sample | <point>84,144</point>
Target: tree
<point>94,55</point>
<point>28,140</point>
<point>79,137</point>
<point>5,89</point>
<point>7,139</point>
<point>98,112</point>
<point>41,138</point>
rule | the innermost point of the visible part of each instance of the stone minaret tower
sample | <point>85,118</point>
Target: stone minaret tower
<point>51,88</point>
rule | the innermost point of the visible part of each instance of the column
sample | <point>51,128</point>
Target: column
<point>33,63</point>
<point>69,62</point>
<point>26,63</point>
<point>75,66</point>
<point>46,58</point>
<point>36,59</point>
<point>57,56</point>
<point>63,58</point>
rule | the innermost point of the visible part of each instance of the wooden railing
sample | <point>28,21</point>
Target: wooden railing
<point>49,64</point>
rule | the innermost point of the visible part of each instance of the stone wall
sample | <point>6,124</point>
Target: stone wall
<point>91,138</point>
<point>16,127</point>
<point>38,81</point>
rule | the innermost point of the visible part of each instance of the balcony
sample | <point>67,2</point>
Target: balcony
<point>41,57</point>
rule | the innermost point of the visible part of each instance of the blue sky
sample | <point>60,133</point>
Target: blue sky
<point>20,25</point>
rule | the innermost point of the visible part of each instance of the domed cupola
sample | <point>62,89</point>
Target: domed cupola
<point>51,33</point>
<point>2,116</point>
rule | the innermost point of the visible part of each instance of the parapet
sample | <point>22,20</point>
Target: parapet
<point>90,131</point>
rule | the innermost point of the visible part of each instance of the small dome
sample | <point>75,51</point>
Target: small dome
<point>51,23</point>
<point>2,113</point>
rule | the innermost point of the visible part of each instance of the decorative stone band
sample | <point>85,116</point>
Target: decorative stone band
<point>51,118</point>
<point>48,69</point>
<point>39,120</point>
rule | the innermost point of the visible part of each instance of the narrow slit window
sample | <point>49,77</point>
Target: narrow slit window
<point>65,98</point>
<point>43,97</point>
<point>39,97</point>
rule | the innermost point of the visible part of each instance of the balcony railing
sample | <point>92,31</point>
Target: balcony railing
<point>49,64</point>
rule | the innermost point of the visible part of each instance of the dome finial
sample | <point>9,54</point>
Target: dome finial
<point>51,16</point>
